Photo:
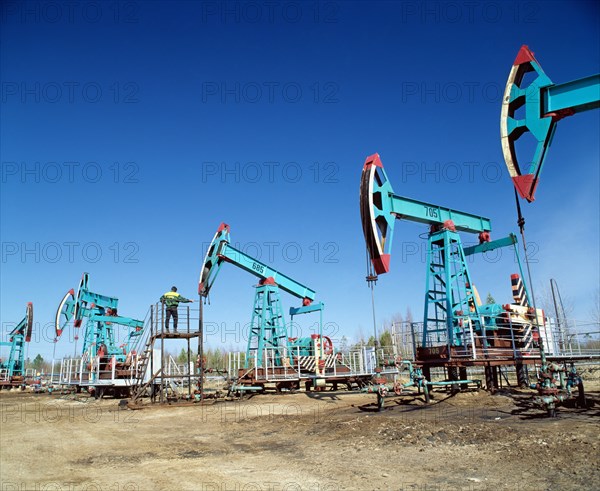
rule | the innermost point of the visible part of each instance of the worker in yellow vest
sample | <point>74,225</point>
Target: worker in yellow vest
<point>171,301</point>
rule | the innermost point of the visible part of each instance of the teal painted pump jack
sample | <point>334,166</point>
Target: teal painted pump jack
<point>14,366</point>
<point>450,306</point>
<point>100,337</point>
<point>268,334</point>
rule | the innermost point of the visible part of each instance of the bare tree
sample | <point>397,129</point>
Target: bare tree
<point>545,300</point>
<point>344,345</point>
<point>396,328</point>
<point>595,309</point>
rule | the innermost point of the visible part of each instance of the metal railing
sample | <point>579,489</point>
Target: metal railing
<point>105,371</point>
<point>274,367</point>
<point>579,340</point>
<point>141,363</point>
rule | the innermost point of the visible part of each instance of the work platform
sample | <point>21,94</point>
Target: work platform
<point>498,350</point>
<point>163,385</point>
<point>351,370</point>
<point>146,366</point>
<point>176,335</point>
<point>8,382</point>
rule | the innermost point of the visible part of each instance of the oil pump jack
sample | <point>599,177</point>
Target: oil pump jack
<point>545,104</point>
<point>457,330</point>
<point>12,371</point>
<point>271,355</point>
<point>100,350</point>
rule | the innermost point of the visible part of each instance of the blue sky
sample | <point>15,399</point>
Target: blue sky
<point>130,130</point>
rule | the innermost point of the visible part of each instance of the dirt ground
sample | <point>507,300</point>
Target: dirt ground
<point>322,441</point>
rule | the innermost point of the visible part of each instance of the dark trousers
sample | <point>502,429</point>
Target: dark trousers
<point>171,312</point>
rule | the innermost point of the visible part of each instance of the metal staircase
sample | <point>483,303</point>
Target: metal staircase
<point>153,368</point>
<point>141,366</point>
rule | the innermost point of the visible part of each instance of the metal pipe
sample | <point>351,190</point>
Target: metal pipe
<point>149,351</point>
<point>512,337</point>
<point>201,346</point>
<point>162,352</point>
<point>414,341</point>
<point>373,308</point>
<point>188,356</point>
